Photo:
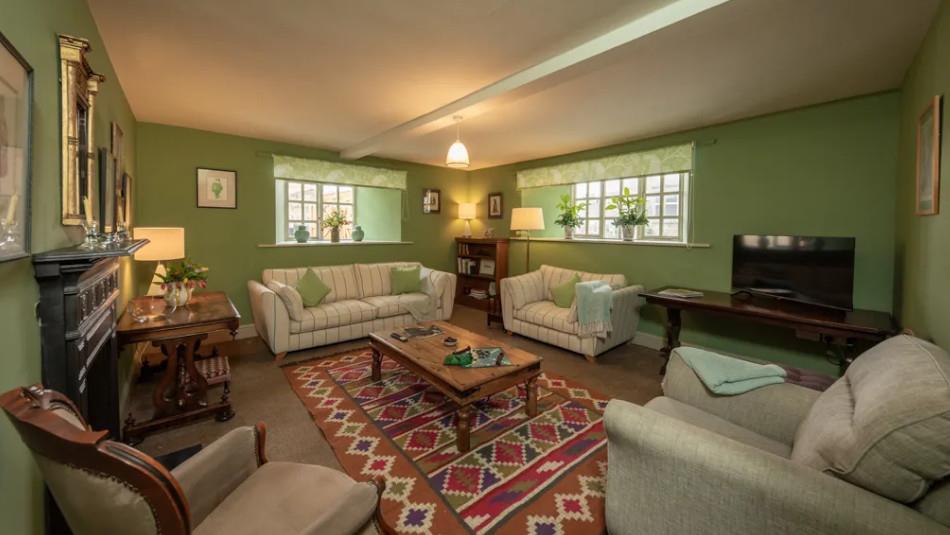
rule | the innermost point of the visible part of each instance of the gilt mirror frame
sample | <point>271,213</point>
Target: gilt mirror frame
<point>79,85</point>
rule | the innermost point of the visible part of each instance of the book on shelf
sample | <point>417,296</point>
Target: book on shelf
<point>681,293</point>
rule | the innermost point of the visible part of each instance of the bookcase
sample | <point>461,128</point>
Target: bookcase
<point>481,264</point>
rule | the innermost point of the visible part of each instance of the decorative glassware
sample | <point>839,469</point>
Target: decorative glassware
<point>121,233</point>
<point>91,228</point>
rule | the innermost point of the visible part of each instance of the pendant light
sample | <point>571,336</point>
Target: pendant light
<point>458,155</point>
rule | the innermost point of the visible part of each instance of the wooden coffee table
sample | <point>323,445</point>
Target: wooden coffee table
<point>464,386</point>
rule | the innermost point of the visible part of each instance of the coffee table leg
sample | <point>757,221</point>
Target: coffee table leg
<point>531,393</point>
<point>377,365</point>
<point>464,428</point>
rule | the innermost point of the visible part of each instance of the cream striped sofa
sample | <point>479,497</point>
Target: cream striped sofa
<point>360,302</point>
<point>528,308</point>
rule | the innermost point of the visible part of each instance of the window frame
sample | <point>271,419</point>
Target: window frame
<point>603,219</point>
<point>285,234</point>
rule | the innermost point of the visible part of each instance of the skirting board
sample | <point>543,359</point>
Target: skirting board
<point>651,341</point>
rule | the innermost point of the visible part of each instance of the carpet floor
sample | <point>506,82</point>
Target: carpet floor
<point>260,391</point>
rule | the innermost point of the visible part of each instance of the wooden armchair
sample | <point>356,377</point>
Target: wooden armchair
<point>102,486</point>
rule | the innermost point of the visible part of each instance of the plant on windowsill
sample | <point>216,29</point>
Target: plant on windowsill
<point>569,215</point>
<point>631,212</point>
<point>180,279</point>
<point>335,220</point>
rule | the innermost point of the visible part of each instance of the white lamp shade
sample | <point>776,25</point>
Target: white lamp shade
<point>527,219</point>
<point>165,243</point>
<point>457,156</point>
<point>467,210</point>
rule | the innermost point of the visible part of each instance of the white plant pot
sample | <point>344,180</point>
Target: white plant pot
<point>177,295</point>
<point>628,232</point>
<point>568,233</point>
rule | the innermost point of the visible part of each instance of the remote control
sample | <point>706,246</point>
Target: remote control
<point>400,337</point>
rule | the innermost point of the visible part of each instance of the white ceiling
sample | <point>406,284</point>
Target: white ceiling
<point>335,73</point>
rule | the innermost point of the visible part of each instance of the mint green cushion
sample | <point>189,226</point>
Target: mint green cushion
<point>312,290</point>
<point>564,293</point>
<point>405,280</point>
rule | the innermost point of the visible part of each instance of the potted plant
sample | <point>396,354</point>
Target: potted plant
<point>569,215</point>
<point>335,220</point>
<point>180,279</point>
<point>631,212</point>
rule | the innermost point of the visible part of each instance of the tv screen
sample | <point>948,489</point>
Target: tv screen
<point>810,269</point>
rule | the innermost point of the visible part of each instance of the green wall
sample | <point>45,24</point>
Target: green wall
<point>378,213</point>
<point>822,170</point>
<point>227,240</point>
<point>32,27</point>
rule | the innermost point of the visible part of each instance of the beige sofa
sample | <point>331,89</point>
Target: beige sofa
<point>360,302</point>
<point>870,455</point>
<point>528,309</point>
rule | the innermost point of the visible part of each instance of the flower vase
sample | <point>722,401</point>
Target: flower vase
<point>302,235</point>
<point>628,231</point>
<point>568,233</point>
<point>177,294</point>
<point>335,235</point>
<point>358,233</point>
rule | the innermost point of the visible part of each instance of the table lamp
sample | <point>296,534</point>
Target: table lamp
<point>467,212</point>
<point>526,220</point>
<point>165,243</point>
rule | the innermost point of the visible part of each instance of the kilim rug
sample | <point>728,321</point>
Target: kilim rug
<point>539,476</point>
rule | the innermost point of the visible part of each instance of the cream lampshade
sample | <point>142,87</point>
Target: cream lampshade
<point>467,212</point>
<point>164,243</point>
<point>527,219</point>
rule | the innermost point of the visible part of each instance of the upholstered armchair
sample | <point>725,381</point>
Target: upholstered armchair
<point>102,486</point>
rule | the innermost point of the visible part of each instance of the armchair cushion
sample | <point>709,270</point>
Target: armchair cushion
<point>547,314</point>
<point>884,425</point>
<point>554,276</point>
<point>293,493</point>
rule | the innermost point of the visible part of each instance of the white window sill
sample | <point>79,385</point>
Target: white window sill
<point>619,242</point>
<point>331,244</point>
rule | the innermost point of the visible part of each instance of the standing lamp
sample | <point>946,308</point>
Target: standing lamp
<point>467,212</point>
<point>165,243</point>
<point>526,220</point>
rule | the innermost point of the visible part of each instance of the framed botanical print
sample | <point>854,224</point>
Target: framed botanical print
<point>432,201</point>
<point>217,188</point>
<point>495,207</point>
<point>928,159</point>
<point>16,96</point>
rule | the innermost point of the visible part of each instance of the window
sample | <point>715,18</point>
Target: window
<point>666,198</point>
<point>308,203</point>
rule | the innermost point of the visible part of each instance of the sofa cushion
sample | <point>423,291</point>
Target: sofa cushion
<point>405,280</point>
<point>554,276</point>
<point>284,498</point>
<point>312,290</point>
<point>340,279</point>
<point>884,425</point>
<point>290,297</point>
<point>374,279</point>
<point>564,292</point>
<point>388,306</point>
<point>547,314</point>
<point>329,315</point>
<point>711,422</point>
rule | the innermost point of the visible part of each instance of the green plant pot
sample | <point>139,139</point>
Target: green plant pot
<point>358,233</point>
<point>302,235</point>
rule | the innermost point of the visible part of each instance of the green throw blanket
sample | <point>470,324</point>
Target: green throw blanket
<point>593,308</point>
<point>729,376</point>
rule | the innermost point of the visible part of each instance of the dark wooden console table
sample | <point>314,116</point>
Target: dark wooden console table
<point>837,328</point>
<point>182,393</point>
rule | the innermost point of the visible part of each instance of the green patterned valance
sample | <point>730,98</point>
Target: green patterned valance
<point>291,168</point>
<point>664,160</point>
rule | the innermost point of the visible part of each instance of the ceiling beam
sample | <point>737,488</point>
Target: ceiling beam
<point>631,31</point>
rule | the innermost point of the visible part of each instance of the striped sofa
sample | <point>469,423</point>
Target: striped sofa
<point>360,302</point>
<point>528,309</point>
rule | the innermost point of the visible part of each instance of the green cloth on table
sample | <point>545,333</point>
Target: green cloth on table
<point>729,376</point>
<point>564,293</point>
<point>312,290</point>
<point>593,308</point>
<point>405,280</point>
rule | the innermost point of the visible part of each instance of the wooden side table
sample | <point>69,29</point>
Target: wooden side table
<point>182,393</point>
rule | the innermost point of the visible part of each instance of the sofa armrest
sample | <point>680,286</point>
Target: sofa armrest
<point>271,319</point>
<point>440,285</point>
<point>667,476</point>
<point>774,411</point>
<point>519,291</point>
<point>208,477</point>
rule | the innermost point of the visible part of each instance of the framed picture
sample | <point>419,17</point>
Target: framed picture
<point>217,188</point>
<point>928,159</point>
<point>486,267</point>
<point>495,206</point>
<point>106,201</point>
<point>16,96</point>
<point>123,201</point>
<point>432,201</point>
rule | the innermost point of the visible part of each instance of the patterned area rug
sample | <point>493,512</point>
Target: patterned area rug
<point>539,476</point>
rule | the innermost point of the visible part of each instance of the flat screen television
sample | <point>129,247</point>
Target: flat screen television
<point>810,269</point>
